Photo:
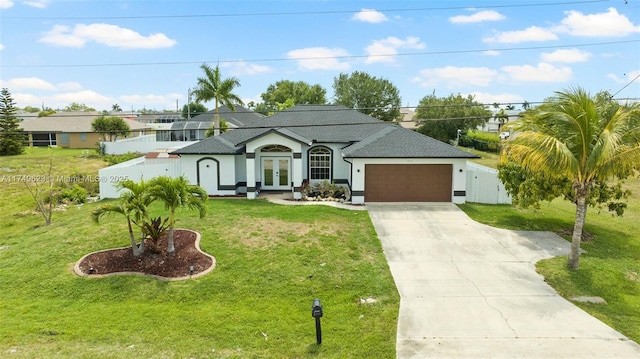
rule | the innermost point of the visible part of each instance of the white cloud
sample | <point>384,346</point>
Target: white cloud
<point>60,36</point>
<point>566,55</point>
<point>1,47</point>
<point>88,97</point>
<point>167,101</point>
<point>369,15</point>
<point>5,4</point>
<point>453,76</point>
<point>33,83</point>
<point>385,49</point>
<point>532,33</point>
<point>486,15</point>
<point>69,86</point>
<point>40,4</point>
<point>543,72</point>
<point>628,77</point>
<point>607,55</point>
<point>319,58</point>
<point>491,53</point>
<point>605,24</point>
<point>110,35</point>
<point>245,68</point>
<point>488,98</point>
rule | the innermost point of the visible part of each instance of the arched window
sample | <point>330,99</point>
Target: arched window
<point>320,163</point>
<point>275,148</point>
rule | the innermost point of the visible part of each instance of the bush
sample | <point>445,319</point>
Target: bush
<point>481,141</point>
<point>74,194</point>
<point>325,190</point>
<point>89,183</point>
<point>115,159</point>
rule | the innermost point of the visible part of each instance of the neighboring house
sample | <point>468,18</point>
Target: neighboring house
<point>407,119</point>
<point>195,128</point>
<point>378,161</point>
<point>69,129</point>
<point>494,124</point>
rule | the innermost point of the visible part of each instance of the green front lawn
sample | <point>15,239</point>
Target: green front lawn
<point>611,267</point>
<point>272,261</point>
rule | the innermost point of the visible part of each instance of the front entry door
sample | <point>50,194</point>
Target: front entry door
<point>275,173</point>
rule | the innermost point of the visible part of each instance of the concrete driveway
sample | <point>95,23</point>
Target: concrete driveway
<point>471,291</point>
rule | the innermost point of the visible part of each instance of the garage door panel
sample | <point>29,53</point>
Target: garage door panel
<point>408,183</point>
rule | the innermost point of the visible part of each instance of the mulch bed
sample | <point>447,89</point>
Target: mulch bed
<point>151,262</point>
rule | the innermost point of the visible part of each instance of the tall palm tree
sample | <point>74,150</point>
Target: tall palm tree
<point>586,140</point>
<point>213,87</point>
<point>502,117</point>
<point>175,193</point>
<point>133,204</point>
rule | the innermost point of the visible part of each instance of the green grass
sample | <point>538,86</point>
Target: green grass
<point>486,158</point>
<point>272,260</point>
<point>610,268</point>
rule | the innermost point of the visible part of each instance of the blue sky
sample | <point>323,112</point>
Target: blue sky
<point>146,54</point>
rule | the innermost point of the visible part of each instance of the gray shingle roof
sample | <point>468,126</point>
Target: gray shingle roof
<point>238,118</point>
<point>72,122</point>
<point>397,142</point>
<point>368,137</point>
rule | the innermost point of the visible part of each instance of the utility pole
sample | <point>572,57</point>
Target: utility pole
<point>188,103</point>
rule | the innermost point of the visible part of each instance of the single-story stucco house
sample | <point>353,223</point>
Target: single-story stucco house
<point>70,130</point>
<point>379,161</point>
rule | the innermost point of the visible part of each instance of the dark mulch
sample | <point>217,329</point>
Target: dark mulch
<point>155,262</point>
<point>568,232</point>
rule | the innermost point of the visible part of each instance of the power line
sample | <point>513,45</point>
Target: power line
<point>627,85</point>
<point>190,16</point>
<point>445,52</point>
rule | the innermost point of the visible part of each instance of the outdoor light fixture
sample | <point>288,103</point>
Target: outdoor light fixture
<point>92,270</point>
<point>190,270</point>
<point>316,312</point>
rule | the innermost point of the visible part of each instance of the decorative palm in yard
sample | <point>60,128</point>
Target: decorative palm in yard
<point>588,141</point>
<point>133,204</point>
<point>175,193</point>
<point>213,87</point>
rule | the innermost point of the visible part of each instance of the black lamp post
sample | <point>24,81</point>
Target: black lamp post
<point>316,312</point>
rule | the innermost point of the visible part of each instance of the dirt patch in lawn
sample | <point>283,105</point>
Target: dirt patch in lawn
<point>156,263</point>
<point>263,233</point>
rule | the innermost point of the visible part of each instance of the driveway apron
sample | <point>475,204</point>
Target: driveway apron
<point>471,291</point>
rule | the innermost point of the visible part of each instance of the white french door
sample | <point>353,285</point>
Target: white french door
<point>275,173</point>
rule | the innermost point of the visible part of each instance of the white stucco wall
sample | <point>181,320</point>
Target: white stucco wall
<point>458,176</point>
<point>272,139</point>
<point>226,172</point>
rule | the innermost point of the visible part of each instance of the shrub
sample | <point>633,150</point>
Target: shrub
<point>325,190</point>
<point>115,159</point>
<point>72,194</point>
<point>481,141</point>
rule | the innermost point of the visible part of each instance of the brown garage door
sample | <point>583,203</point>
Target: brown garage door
<point>408,183</point>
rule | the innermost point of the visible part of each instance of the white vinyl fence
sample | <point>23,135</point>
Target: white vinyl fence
<point>483,185</point>
<point>136,169</point>
<point>142,144</point>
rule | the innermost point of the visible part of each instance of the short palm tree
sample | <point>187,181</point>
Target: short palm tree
<point>586,140</point>
<point>175,193</point>
<point>133,204</point>
<point>213,87</point>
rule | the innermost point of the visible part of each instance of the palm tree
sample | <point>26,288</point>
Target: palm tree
<point>174,193</point>
<point>586,140</point>
<point>133,205</point>
<point>502,117</point>
<point>213,87</point>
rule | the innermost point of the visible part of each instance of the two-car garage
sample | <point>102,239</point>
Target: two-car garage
<point>408,182</point>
